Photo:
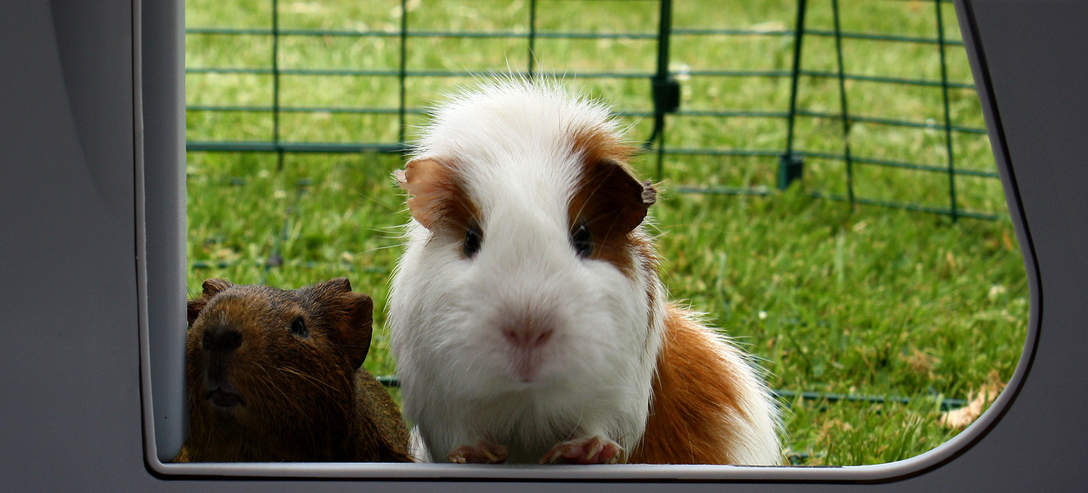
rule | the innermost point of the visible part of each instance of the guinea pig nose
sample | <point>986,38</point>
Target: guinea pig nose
<point>527,339</point>
<point>221,339</point>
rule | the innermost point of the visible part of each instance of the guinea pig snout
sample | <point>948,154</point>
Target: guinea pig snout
<point>526,329</point>
<point>221,339</point>
<point>526,338</point>
<point>220,343</point>
<point>528,342</point>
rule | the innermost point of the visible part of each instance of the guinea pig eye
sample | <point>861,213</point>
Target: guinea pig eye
<point>473,237</point>
<point>298,327</point>
<point>580,240</point>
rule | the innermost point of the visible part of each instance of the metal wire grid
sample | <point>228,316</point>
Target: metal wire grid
<point>665,94</point>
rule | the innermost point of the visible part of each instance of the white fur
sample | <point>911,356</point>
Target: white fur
<point>511,140</point>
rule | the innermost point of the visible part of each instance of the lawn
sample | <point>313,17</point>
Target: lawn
<point>834,300</point>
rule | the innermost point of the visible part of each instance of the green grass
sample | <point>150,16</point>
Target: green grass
<point>873,301</point>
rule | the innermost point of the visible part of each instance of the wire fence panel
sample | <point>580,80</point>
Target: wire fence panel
<point>842,165</point>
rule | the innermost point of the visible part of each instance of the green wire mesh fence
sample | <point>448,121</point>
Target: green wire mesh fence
<point>665,86</point>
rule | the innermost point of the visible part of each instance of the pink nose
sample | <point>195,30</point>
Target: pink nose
<point>526,339</point>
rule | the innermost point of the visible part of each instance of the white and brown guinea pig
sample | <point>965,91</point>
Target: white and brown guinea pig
<point>527,317</point>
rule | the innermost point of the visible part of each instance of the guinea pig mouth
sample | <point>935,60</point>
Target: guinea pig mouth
<point>224,398</point>
<point>526,366</point>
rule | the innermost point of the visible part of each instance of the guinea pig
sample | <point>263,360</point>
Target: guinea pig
<point>527,317</point>
<point>275,375</point>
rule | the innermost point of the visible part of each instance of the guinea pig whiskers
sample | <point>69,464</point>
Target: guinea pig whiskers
<point>270,383</point>
<point>325,386</point>
<point>294,403</point>
<point>383,247</point>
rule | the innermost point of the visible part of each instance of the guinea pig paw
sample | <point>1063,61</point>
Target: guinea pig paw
<point>590,450</point>
<point>484,452</point>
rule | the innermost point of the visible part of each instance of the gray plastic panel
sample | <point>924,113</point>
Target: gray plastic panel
<point>161,46</point>
<point>69,374</point>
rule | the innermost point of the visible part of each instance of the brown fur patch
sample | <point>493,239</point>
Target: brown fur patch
<point>596,144</point>
<point>608,199</point>
<point>380,427</point>
<point>438,196</point>
<point>693,390</point>
<point>646,254</point>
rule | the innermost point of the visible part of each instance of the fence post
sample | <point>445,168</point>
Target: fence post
<point>276,84</point>
<point>532,35</point>
<point>790,167</point>
<point>666,90</point>
<point>401,73</point>
<point>947,117</point>
<point>844,112</point>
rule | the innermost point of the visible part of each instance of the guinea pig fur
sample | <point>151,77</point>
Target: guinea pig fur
<point>527,317</point>
<point>275,375</point>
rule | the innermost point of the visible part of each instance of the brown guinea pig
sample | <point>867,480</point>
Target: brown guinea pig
<point>275,375</point>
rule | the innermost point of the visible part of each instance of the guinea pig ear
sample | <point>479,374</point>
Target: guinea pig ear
<point>436,195</point>
<point>350,314</point>
<point>211,287</point>
<point>334,286</point>
<point>610,200</point>
<point>193,308</point>
<point>355,330</point>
